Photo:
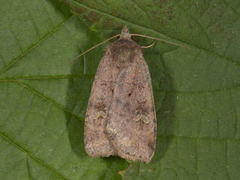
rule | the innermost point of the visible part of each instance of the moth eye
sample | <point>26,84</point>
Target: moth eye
<point>129,94</point>
<point>112,91</point>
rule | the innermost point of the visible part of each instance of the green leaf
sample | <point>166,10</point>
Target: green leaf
<point>44,90</point>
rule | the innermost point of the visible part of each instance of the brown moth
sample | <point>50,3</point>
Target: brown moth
<point>120,118</point>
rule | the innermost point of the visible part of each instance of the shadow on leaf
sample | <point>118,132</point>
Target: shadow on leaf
<point>164,102</point>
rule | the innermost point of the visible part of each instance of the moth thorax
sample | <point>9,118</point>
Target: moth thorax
<point>124,56</point>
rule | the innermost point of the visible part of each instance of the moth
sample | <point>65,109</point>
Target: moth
<point>121,118</point>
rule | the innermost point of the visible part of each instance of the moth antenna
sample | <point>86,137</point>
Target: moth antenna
<point>126,35</point>
<point>96,45</point>
<point>161,40</point>
<point>150,45</point>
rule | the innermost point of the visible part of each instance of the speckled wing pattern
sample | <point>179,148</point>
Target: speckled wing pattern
<point>95,137</point>
<point>120,118</point>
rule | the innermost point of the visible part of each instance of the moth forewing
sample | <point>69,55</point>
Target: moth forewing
<point>95,138</point>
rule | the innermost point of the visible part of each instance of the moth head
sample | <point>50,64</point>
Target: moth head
<point>125,33</point>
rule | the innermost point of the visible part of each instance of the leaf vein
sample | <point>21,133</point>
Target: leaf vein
<point>41,162</point>
<point>16,59</point>
<point>47,99</point>
<point>235,62</point>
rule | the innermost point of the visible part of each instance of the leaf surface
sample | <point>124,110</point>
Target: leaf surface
<point>44,90</point>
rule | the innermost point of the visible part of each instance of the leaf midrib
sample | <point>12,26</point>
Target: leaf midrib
<point>91,77</point>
